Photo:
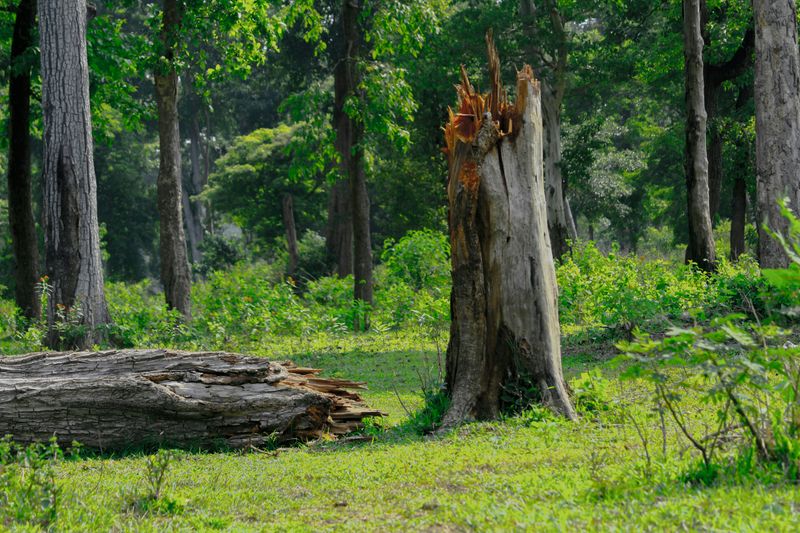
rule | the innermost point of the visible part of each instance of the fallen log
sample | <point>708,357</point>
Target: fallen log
<point>127,399</point>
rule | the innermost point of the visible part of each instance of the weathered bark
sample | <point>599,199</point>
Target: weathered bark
<point>72,237</point>
<point>339,229</point>
<point>777,98</point>
<point>701,238</point>
<point>350,142</point>
<point>738,218</point>
<point>504,327</point>
<point>132,398</point>
<point>20,201</point>
<point>291,233</point>
<point>175,274</point>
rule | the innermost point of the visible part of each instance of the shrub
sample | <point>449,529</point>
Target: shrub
<point>421,259</point>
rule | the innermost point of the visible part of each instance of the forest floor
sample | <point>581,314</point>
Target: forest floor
<point>528,472</point>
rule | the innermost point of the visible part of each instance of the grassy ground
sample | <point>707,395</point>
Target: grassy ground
<point>530,472</point>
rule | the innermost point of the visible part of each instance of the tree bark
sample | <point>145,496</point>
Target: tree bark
<point>339,234</point>
<point>777,99</point>
<point>504,327</point>
<point>175,274</point>
<point>701,238</point>
<point>738,218</point>
<point>552,98</point>
<point>194,210</point>
<point>20,200</point>
<point>557,222</point>
<point>291,233</point>
<point>118,400</point>
<point>72,237</point>
<point>350,141</point>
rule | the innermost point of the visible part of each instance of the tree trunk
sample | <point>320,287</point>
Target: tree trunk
<point>777,98</point>
<point>554,194</point>
<point>738,218</point>
<point>118,400</point>
<point>291,233</point>
<point>701,238</point>
<point>504,333</point>
<point>339,234</point>
<point>175,275</point>
<point>20,200</point>
<point>194,210</point>
<point>350,141</point>
<point>72,237</point>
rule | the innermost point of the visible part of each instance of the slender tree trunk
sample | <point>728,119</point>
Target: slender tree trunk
<point>701,238</point>
<point>738,218</point>
<point>504,330</point>
<point>339,235</point>
<point>777,98</point>
<point>195,210</point>
<point>291,233</point>
<point>72,237</point>
<point>714,153</point>
<point>20,201</point>
<point>175,275</point>
<point>557,223</point>
<point>350,140</point>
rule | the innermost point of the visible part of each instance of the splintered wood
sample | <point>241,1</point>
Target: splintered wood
<point>126,399</point>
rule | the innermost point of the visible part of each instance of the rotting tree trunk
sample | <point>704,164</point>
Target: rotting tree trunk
<point>126,399</point>
<point>777,99</point>
<point>20,200</point>
<point>701,238</point>
<point>72,236</point>
<point>350,142</point>
<point>175,274</point>
<point>291,234</point>
<point>504,327</point>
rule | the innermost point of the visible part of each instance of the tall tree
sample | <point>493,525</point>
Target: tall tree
<point>555,60</point>
<point>20,208</point>
<point>350,141</point>
<point>72,238</point>
<point>701,236</point>
<point>777,98</point>
<point>175,274</point>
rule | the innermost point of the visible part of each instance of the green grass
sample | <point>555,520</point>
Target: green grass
<point>530,472</point>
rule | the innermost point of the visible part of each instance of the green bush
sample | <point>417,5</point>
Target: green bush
<point>421,259</point>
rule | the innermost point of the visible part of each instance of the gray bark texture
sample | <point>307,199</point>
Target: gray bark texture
<point>504,310</point>
<point>175,274</point>
<point>20,201</point>
<point>194,211</point>
<point>701,248</point>
<point>117,400</point>
<point>72,237</point>
<point>777,98</point>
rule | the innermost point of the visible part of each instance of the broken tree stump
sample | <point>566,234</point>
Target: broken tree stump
<point>125,399</point>
<point>504,333</point>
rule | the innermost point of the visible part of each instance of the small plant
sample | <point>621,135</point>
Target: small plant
<point>157,467</point>
<point>591,392</point>
<point>29,491</point>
